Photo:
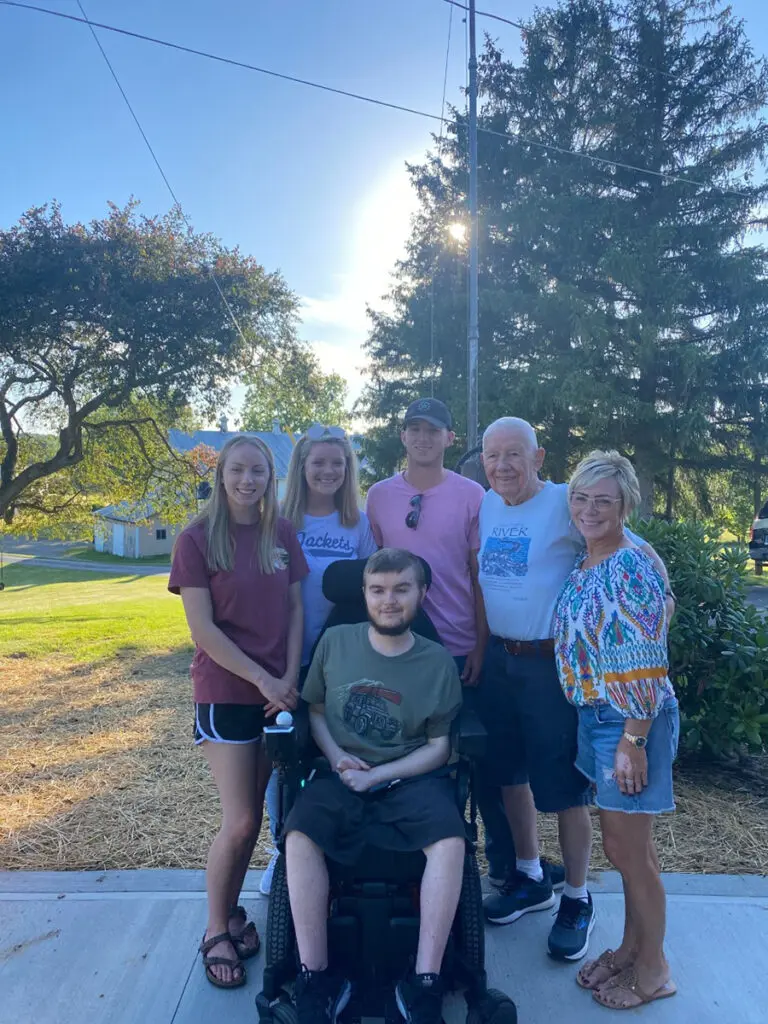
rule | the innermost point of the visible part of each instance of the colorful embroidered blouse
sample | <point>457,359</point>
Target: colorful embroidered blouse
<point>611,636</point>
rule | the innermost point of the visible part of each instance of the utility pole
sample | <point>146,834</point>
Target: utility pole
<point>473,329</point>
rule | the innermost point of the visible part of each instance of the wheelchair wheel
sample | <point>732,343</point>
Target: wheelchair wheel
<point>470,926</point>
<point>284,1012</point>
<point>281,938</point>
<point>493,1008</point>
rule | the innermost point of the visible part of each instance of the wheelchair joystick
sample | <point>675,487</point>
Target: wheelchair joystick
<point>284,719</point>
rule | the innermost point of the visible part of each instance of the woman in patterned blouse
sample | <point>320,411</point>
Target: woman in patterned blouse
<point>611,651</point>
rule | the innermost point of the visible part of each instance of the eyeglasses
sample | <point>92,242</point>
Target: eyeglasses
<point>601,504</point>
<point>412,519</point>
<point>318,432</point>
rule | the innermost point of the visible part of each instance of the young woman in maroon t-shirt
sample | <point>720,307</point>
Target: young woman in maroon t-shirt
<point>238,567</point>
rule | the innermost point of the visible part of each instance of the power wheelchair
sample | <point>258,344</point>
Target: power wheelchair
<point>373,919</point>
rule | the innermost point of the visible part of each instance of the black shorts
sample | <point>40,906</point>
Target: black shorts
<point>532,729</point>
<point>410,816</point>
<point>228,723</point>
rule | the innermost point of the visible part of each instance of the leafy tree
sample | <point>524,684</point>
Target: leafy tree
<point>290,386</point>
<point>107,330</point>
<point>616,307</point>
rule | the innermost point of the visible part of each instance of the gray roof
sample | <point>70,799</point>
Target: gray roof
<point>128,511</point>
<point>280,444</point>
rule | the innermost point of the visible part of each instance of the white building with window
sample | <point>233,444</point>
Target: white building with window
<point>132,530</point>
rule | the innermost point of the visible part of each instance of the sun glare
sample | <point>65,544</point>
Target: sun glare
<point>458,232</point>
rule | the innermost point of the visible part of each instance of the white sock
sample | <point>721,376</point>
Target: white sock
<point>532,868</point>
<point>576,892</point>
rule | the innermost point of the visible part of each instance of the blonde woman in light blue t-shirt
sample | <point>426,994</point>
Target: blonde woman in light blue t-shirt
<point>322,502</point>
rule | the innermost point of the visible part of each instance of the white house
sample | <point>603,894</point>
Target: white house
<point>132,530</point>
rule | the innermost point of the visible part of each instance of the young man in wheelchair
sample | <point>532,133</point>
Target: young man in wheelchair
<point>382,700</point>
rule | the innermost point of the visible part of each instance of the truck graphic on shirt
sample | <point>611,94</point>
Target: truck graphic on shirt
<point>366,710</point>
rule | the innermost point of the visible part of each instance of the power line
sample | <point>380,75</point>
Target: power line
<point>163,175</point>
<point>526,140</point>
<point>486,14</point>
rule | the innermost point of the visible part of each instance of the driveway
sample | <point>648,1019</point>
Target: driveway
<point>51,554</point>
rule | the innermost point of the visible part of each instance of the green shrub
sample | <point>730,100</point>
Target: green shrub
<point>718,641</point>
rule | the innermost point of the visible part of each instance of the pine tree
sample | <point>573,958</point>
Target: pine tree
<point>617,308</point>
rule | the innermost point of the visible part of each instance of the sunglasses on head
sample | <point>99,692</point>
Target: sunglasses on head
<point>318,432</point>
<point>412,519</point>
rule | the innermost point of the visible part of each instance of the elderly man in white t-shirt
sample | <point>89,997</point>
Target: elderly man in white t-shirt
<point>528,546</point>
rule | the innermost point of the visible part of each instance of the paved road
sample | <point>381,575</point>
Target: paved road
<point>120,947</point>
<point>75,564</point>
<point>758,596</point>
<point>50,554</point>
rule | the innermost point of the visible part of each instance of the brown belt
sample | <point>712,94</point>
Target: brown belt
<point>532,648</point>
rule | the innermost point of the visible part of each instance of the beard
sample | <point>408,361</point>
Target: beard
<point>397,628</point>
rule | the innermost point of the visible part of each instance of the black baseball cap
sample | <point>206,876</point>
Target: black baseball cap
<point>430,409</point>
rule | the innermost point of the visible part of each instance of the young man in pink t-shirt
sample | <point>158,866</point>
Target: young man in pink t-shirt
<point>433,513</point>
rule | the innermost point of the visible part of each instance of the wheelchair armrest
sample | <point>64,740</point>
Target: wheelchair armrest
<point>287,744</point>
<point>471,734</point>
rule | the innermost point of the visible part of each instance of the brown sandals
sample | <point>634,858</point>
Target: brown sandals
<point>238,971</point>
<point>247,943</point>
<point>626,981</point>
<point>607,962</point>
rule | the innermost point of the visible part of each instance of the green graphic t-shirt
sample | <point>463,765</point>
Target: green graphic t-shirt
<point>381,708</point>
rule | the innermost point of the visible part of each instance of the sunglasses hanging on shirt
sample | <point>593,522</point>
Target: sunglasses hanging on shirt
<point>412,519</point>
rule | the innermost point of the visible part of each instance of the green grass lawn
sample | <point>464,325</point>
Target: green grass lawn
<point>91,555</point>
<point>86,617</point>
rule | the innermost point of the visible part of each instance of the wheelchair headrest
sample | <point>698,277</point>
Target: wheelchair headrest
<point>343,580</point>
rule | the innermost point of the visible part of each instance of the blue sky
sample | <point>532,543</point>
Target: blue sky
<point>308,183</point>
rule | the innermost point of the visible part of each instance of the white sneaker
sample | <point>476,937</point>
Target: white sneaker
<point>265,885</point>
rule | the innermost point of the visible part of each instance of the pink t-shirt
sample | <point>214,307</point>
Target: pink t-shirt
<point>249,606</point>
<point>446,534</point>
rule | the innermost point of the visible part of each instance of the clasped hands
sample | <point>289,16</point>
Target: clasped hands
<point>282,694</point>
<point>355,773</point>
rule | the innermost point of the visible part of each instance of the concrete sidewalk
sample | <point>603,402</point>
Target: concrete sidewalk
<point>120,947</point>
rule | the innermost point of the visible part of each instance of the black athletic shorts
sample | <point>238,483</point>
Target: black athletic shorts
<point>228,723</point>
<point>405,818</point>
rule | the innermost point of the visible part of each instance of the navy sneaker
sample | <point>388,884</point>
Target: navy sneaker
<point>320,996</point>
<point>570,933</point>
<point>519,895</point>
<point>556,873</point>
<point>496,878</point>
<point>420,998</point>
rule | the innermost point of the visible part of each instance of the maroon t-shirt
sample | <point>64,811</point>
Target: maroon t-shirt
<point>249,606</point>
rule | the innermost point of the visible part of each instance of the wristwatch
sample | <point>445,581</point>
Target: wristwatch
<point>641,742</point>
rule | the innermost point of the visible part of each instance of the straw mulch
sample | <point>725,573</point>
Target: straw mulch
<point>98,771</point>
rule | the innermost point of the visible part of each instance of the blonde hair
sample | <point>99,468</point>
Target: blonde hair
<point>600,465</point>
<point>218,521</point>
<point>296,488</point>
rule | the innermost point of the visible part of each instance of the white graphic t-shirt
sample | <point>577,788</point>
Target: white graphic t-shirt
<point>324,540</point>
<point>526,554</point>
